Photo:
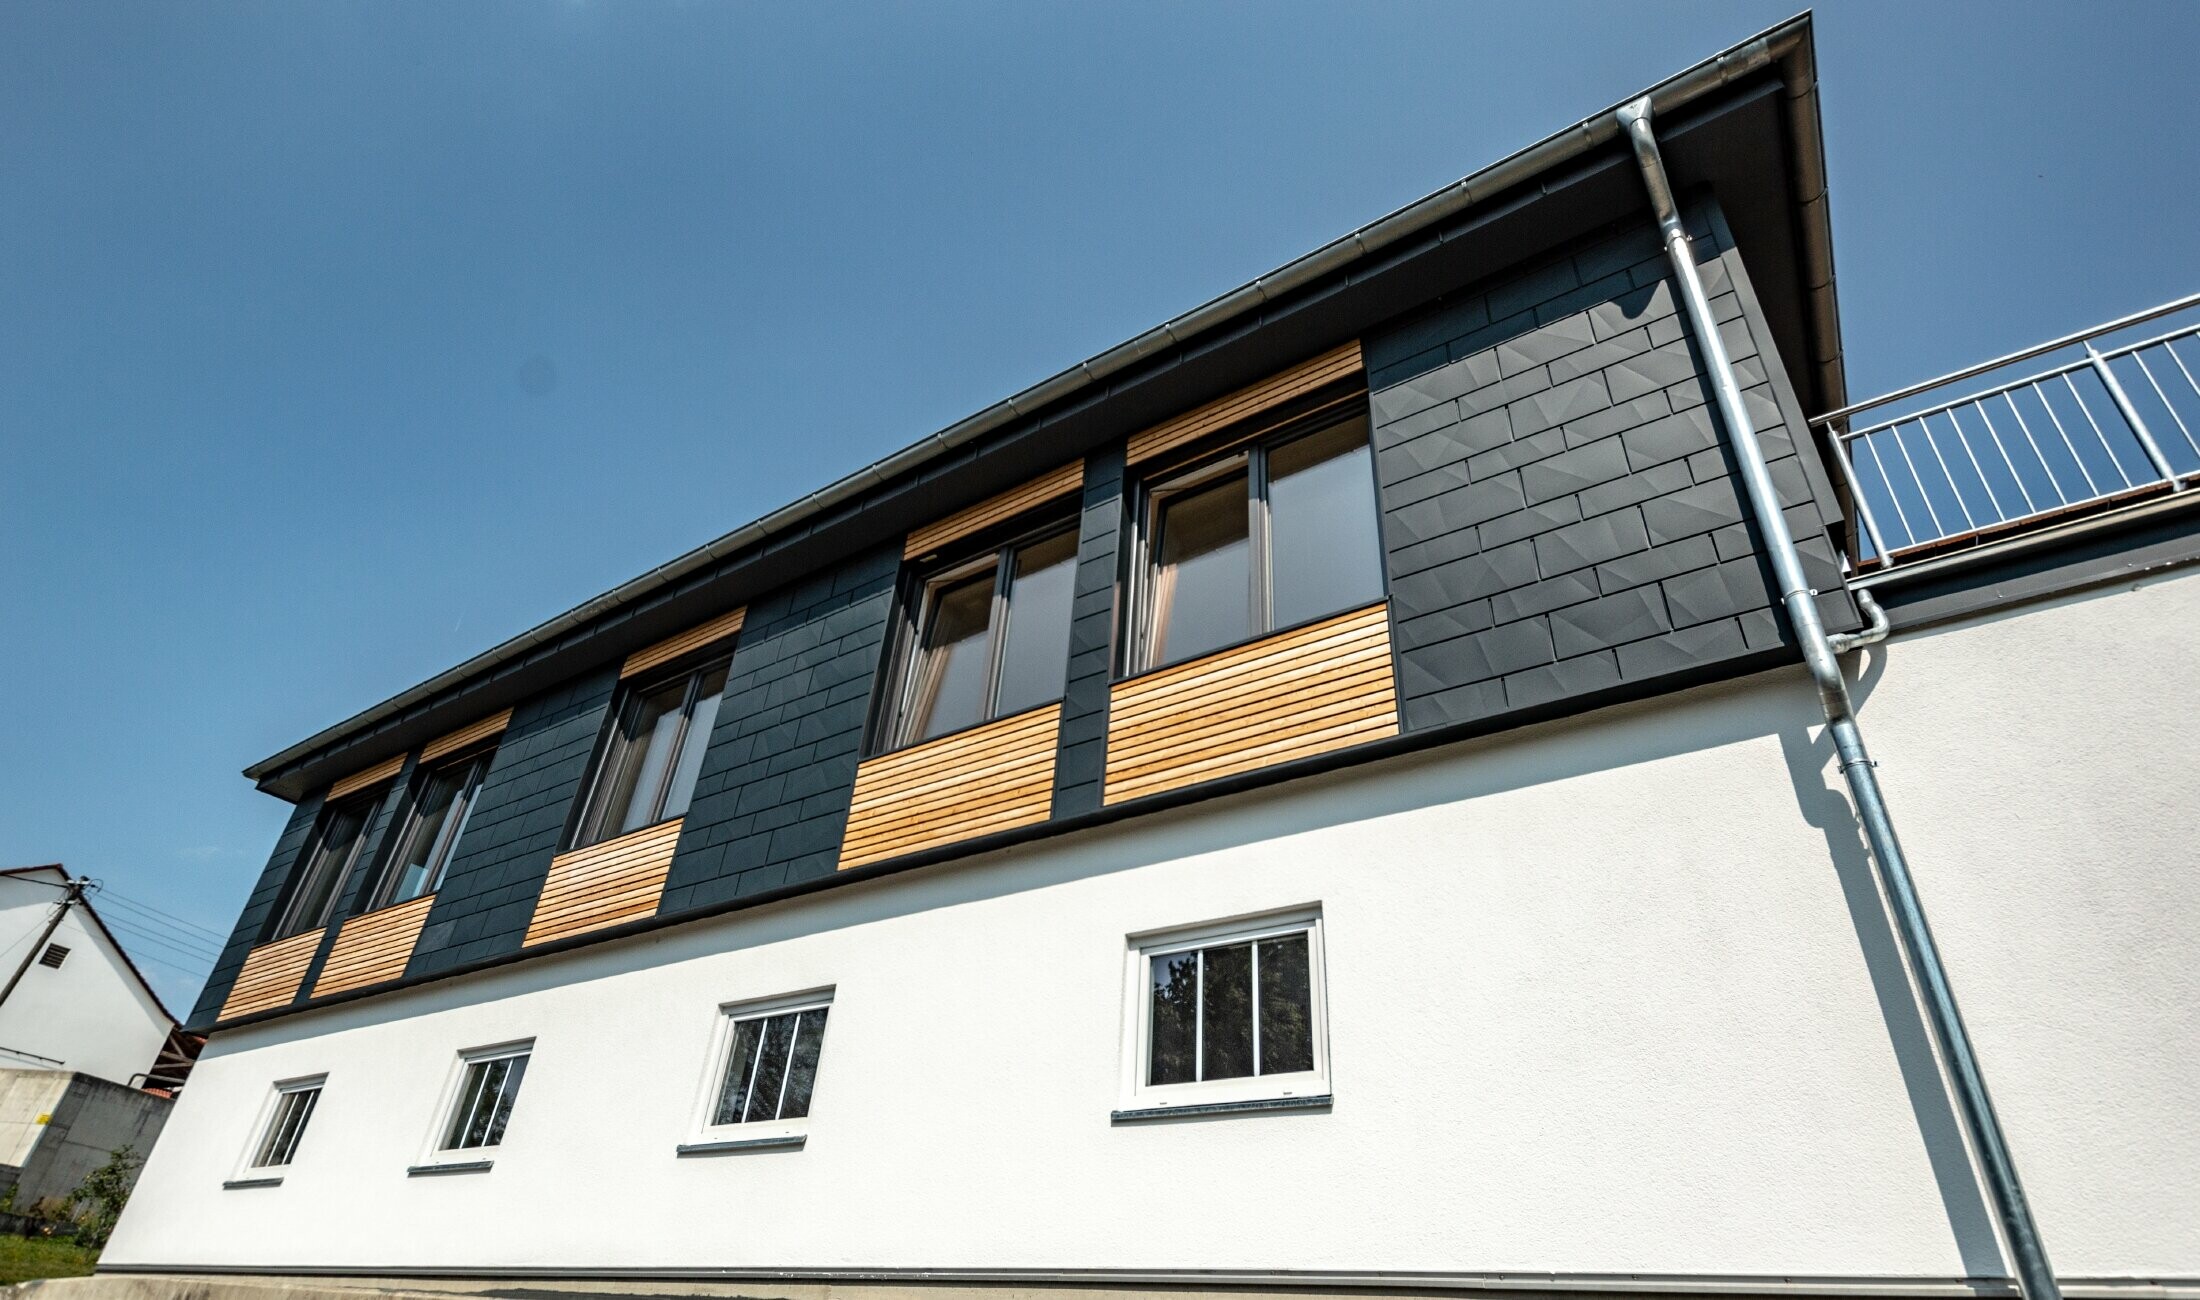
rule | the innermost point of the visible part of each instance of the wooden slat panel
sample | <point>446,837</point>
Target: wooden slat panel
<point>361,780</point>
<point>672,647</point>
<point>986,513</point>
<point>986,779</point>
<point>271,975</point>
<point>1308,691</point>
<point>1305,377</point>
<point>492,725</point>
<point>618,880</point>
<point>372,947</point>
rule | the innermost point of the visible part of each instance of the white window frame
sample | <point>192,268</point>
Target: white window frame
<point>778,1132</point>
<point>1141,949</point>
<point>433,1153</point>
<point>248,1172</point>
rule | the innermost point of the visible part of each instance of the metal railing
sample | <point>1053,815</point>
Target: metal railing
<point>2108,426</point>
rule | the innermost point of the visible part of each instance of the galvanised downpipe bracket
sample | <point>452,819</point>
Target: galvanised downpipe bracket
<point>2020,1235</point>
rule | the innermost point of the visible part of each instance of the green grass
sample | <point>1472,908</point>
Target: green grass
<point>24,1258</point>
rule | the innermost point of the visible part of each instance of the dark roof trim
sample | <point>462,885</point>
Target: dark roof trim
<point>1785,47</point>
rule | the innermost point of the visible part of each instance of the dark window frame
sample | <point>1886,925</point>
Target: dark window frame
<point>998,547</point>
<point>613,745</point>
<point>399,847</point>
<point>1243,449</point>
<point>287,920</point>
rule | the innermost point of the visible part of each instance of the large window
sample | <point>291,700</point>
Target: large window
<point>488,1086</point>
<point>336,844</point>
<point>646,773</point>
<point>992,638</point>
<point>444,801</point>
<point>286,1123</point>
<point>1270,534</point>
<point>1231,1012</point>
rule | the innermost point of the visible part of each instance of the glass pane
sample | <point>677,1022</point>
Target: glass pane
<point>949,691</point>
<point>809,1040</point>
<point>1202,583</point>
<point>468,798</point>
<point>1175,1026</point>
<point>642,758</point>
<point>740,1064</point>
<point>1323,549</point>
<point>425,835</point>
<point>701,719</point>
<point>1286,1006</point>
<point>507,1095</point>
<point>1226,1013</point>
<point>1035,656</point>
<point>468,1104</point>
<point>332,859</point>
<point>771,1069</point>
<point>280,1144</point>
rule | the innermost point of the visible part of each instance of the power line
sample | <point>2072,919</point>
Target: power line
<point>154,913</point>
<point>170,946</point>
<point>177,943</point>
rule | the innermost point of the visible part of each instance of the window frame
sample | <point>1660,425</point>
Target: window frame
<point>248,1168</point>
<point>895,728</point>
<point>702,1132</point>
<point>1299,1085</point>
<point>447,838</point>
<point>287,917</point>
<point>1246,450</point>
<point>434,1155</point>
<point>612,745</point>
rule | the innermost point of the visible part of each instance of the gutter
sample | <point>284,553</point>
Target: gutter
<point>1784,47</point>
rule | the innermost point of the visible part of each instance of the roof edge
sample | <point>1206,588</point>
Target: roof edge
<point>1785,46</point>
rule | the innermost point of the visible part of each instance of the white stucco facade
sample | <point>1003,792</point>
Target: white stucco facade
<point>92,1014</point>
<point>1609,996</point>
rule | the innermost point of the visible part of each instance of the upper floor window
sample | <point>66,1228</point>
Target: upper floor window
<point>342,833</point>
<point>992,638</point>
<point>646,771</point>
<point>1269,534</point>
<point>445,799</point>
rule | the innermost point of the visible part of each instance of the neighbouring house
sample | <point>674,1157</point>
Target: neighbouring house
<point>1341,793</point>
<point>89,1058</point>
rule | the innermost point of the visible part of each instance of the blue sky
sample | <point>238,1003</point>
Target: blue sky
<point>343,341</point>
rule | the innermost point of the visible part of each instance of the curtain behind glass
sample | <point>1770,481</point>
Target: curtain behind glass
<point>1202,572</point>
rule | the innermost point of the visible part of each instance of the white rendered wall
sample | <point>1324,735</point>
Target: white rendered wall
<point>92,1014</point>
<point>1602,1000</point>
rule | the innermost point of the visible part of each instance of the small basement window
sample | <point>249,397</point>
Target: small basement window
<point>1230,1013</point>
<point>487,1088</point>
<point>54,955</point>
<point>286,1123</point>
<point>765,1068</point>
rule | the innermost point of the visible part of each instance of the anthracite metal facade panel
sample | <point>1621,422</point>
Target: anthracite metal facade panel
<point>1082,760</point>
<point>1559,515</point>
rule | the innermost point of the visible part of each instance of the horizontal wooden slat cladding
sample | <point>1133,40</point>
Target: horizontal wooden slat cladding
<point>492,725</point>
<point>271,975</point>
<point>672,647</point>
<point>604,884</point>
<point>973,783</point>
<point>1305,377</point>
<point>994,510</point>
<point>380,772</point>
<point>1324,686</point>
<point>372,947</point>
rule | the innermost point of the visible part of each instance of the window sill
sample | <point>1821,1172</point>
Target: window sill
<point>239,1184</point>
<point>449,1167</point>
<point>777,1142</point>
<point>1188,1110</point>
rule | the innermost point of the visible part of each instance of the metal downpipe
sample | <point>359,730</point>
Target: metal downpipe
<point>2020,1235</point>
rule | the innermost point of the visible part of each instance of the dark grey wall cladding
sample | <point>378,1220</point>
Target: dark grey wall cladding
<point>1081,761</point>
<point>1559,513</point>
<point>772,798</point>
<point>488,893</point>
<point>257,910</point>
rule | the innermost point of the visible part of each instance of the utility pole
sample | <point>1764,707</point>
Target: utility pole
<point>74,894</point>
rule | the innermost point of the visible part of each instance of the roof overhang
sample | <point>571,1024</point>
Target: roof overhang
<point>1744,122</point>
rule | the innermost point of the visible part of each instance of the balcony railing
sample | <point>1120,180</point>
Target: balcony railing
<point>2114,423</point>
